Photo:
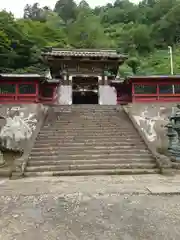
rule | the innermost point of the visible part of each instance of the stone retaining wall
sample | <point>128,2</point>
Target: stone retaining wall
<point>152,119</point>
<point>19,126</point>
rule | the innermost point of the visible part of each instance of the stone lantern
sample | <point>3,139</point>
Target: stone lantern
<point>174,135</point>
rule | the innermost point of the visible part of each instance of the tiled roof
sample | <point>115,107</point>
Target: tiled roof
<point>83,53</point>
<point>154,77</point>
<point>14,75</point>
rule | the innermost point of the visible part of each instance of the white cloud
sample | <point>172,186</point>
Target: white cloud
<point>17,7</point>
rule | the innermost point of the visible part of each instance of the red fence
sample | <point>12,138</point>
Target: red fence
<point>18,92</point>
<point>26,92</point>
<point>156,91</point>
<point>135,90</point>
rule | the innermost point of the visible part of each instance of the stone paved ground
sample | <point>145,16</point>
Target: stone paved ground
<point>90,208</point>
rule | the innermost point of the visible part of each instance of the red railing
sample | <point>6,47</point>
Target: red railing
<point>155,92</point>
<point>12,91</point>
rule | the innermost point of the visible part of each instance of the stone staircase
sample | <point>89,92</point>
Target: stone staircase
<point>89,140</point>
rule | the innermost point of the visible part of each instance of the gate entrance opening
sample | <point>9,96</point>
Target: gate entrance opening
<point>85,90</point>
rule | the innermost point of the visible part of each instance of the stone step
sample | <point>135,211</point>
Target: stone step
<point>90,167</point>
<point>90,110</point>
<point>103,111</point>
<point>93,172</point>
<point>96,107</point>
<point>92,122</point>
<point>89,162</point>
<point>91,156</point>
<point>89,107</point>
<point>90,114</point>
<point>87,130</point>
<point>91,118</point>
<point>87,126</point>
<point>67,148</point>
<point>88,138</point>
<point>87,111</point>
<point>84,130</point>
<point>87,144</point>
<point>86,134</point>
<point>95,140</point>
<point>79,125</point>
<point>88,158</point>
<point>50,152</point>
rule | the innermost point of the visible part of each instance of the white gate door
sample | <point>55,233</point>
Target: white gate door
<point>65,95</point>
<point>107,95</point>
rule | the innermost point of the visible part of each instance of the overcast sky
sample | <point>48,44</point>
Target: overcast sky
<point>17,6</point>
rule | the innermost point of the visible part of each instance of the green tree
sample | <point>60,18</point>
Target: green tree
<point>33,12</point>
<point>5,52</point>
<point>142,30</point>
<point>134,64</point>
<point>87,32</point>
<point>66,9</point>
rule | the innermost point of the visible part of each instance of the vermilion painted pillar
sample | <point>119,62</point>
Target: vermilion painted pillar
<point>17,91</point>
<point>157,91</point>
<point>132,92</point>
<point>37,91</point>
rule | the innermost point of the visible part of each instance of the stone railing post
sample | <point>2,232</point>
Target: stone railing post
<point>2,161</point>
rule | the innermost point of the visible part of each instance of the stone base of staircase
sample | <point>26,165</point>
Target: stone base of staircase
<point>5,172</point>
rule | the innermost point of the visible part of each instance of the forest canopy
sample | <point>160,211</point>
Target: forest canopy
<point>143,31</point>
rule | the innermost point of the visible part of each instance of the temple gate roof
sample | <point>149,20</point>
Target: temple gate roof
<point>111,54</point>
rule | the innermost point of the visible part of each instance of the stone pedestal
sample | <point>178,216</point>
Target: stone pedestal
<point>65,95</point>
<point>105,80</point>
<point>100,80</point>
<point>107,95</point>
